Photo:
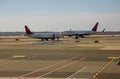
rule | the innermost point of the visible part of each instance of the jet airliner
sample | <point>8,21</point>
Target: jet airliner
<point>43,35</point>
<point>81,33</point>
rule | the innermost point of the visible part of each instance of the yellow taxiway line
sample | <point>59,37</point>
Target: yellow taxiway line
<point>19,56</point>
<point>104,67</point>
<point>15,56</point>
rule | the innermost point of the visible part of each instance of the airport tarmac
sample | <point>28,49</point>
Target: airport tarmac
<point>64,59</point>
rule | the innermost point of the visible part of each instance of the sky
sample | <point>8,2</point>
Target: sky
<point>59,15</point>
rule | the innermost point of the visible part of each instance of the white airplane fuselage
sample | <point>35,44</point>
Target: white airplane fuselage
<point>75,33</point>
<point>46,35</point>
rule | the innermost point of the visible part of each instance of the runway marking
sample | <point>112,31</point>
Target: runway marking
<point>60,67</point>
<point>50,66</point>
<point>76,72</point>
<point>103,68</point>
<point>46,67</point>
<point>19,56</point>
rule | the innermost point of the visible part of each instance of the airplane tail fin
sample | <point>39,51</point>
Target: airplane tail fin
<point>27,30</point>
<point>95,27</point>
<point>103,30</point>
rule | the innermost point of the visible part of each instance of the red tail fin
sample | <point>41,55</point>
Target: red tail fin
<point>95,27</point>
<point>27,30</point>
<point>103,30</point>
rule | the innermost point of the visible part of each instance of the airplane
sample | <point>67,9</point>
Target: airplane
<point>78,34</point>
<point>43,35</point>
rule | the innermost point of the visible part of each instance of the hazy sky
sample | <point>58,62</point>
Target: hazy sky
<point>59,15</point>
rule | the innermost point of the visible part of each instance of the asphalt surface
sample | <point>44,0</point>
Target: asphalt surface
<point>84,60</point>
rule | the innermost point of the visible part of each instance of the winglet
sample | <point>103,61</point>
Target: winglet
<point>27,30</point>
<point>95,27</point>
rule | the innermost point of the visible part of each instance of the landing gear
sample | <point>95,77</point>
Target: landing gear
<point>53,39</point>
<point>46,39</point>
<point>77,39</point>
<point>82,36</point>
<point>42,40</point>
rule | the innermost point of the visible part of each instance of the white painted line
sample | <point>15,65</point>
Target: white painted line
<point>76,72</point>
<point>56,69</point>
<point>60,67</point>
<point>45,67</point>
